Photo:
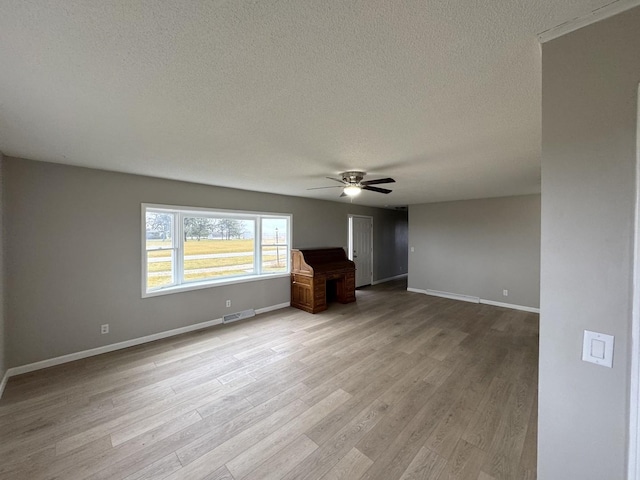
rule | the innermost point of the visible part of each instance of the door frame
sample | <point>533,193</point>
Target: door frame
<point>351,216</point>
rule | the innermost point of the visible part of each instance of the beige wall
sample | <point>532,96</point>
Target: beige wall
<point>73,255</point>
<point>478,248</point>
<point>590,80</point>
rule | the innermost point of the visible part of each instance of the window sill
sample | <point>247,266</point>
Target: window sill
<point>210,284</point>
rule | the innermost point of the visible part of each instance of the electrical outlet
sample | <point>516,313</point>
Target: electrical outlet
<point>228,303</point>
<point>104,328</point>
<point>505,293</point>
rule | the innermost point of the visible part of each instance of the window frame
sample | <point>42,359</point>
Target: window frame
<point>172,249</point>
<point>180,212</point>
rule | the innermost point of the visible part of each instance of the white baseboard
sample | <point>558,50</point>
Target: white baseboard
<point>120,345</point>
<point>51,362</point>
<point>469,298</point>
<point>272,308</point>
<point>416,290</point>
<point>3,383</point>
<point>453,296</point>
<point>389,279</point>
<point>510,305</point>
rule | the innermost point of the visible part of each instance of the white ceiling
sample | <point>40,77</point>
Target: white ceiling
<point>273,96</point>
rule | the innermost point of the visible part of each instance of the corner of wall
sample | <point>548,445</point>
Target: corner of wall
<point>3,356</point>
<point>589,144</point>
<point>40,190</point>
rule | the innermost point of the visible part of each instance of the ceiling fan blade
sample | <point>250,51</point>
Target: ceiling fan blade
<point>377,181</point>
<point>376,189</point>
<point>337,180</point>
<point>344,195</point>
<point>319,188</point>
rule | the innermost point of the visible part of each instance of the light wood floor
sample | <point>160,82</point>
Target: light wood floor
<point>396,386</point>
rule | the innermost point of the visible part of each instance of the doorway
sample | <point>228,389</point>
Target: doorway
<point>361,248</point>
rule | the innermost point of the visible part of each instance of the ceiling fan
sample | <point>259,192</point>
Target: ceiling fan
<point>352,184</point>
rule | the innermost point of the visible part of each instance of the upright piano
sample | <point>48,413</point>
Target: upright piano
<point>320,275</point>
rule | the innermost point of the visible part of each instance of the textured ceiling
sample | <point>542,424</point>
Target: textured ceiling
<point>275,95</point>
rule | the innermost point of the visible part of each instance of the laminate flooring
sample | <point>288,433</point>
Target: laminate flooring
<point>396,386</point>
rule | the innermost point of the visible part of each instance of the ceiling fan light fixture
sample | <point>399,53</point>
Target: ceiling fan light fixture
<point>352,190</point>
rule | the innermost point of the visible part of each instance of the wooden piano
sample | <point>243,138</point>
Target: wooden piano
<point>320,275</point>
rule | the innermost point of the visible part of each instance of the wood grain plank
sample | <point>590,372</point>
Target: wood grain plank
<point>242,464</point>
<point>321,461</point>
<point>158,469</point>
<point>283,461</point>
<point>465,463</point>
<point>484,423</point>
<point>445,437</point>
<point>328,427</point>
<point>424,380</point>
<point>351,467</point>
<point>131,456</point>
<point>425,466</point>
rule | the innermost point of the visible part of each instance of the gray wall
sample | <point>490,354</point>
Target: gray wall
<point>73,255</point>
<point>478,248</point>
<point>589,79</point>
<point>3,359</point>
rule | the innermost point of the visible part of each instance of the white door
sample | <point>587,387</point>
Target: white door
<point>361,248</point>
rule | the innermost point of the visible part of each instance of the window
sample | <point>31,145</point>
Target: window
<point>189,248</point>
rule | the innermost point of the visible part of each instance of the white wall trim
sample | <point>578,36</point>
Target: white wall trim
<point>178,248</point>
<point>416,290</point>
<point>633,467</point>
<point>120,345</point>
<point>273,307</point>
<point>452,296</point>
<point>389,279</point>
<point>510,305</point>
<point>51,362</point>
<point>3,383</point>
<point>609,10</point>
<point>472,299</point>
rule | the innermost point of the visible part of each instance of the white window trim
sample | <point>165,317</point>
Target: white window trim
<point>177,287</point>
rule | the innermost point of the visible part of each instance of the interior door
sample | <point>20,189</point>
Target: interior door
<point>361,248</point>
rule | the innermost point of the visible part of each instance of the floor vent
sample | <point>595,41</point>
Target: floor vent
<point>234,317</point>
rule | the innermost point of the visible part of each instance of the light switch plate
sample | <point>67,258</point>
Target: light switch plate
<point>598,348</point>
